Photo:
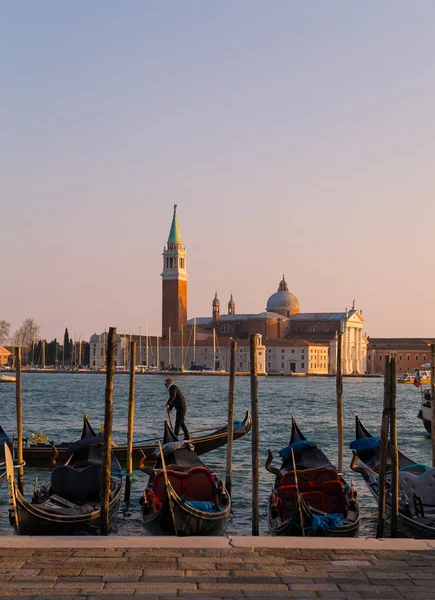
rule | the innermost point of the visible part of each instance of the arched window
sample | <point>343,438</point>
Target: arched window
<point>226,329</point>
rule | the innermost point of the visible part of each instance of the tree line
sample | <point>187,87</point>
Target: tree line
<point>40,352</point>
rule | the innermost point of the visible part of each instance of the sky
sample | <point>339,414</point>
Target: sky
<point>295,138</point>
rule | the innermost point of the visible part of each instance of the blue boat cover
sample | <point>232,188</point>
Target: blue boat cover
<point>321,523</point>
<point>366,444</point>
<point>203,505</point>
<point>286,453</point>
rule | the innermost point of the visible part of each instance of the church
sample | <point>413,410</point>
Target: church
<point>289,341</point>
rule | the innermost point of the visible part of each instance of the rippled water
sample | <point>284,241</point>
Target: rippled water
<point>55,404</point>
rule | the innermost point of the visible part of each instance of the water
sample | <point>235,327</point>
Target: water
<point>55,404</point>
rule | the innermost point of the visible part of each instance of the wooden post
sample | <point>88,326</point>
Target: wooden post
<point>394,451</point>
<point>130,423</point>
<point>339,392</point>
<point>384,450</point>
<point>255,438</point>
<point>231,415</point>
<point>107,436</point>
<point>432,395</point>
<point>19,407</point>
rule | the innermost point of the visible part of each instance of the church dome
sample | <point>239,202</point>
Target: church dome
<point>283,302</point>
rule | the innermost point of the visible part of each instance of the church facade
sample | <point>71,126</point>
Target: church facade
<point>284,330</point>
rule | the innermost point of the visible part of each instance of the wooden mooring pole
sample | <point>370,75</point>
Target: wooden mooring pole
<point>255,438</point>
<point>19,407</point>
<point>339,392</point>
<point>383,450</point>
<point>130,429</point>
<point>432,395</point>
<point>394,450</point>
<point>231,389</point>
<point>107,436</point>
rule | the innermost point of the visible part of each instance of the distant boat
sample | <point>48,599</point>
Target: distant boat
<point>7,379</point>
<point>423,374</point>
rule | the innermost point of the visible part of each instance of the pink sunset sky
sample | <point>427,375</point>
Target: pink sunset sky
<point>296,138</point>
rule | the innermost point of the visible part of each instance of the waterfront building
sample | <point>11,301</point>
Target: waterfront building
<point>410,353</point>
<point>147,350</point>
<point>5,356</point>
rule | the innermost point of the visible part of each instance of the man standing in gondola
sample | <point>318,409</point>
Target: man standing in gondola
<point>177,401</point>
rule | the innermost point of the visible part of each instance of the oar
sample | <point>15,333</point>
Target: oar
<point>298,494</point>
<point>168,487</point>
<point>169,418</point>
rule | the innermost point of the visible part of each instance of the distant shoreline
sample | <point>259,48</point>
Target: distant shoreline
<point>189,374</point>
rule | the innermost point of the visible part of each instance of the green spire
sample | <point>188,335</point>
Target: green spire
<point>175,234</point>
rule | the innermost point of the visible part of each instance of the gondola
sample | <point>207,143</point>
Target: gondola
<point>310,497</point>
<point>425,412</point>
<point>42,455</point>
<point>4,441</point>
<point>183,497</point>
<point>71,502</point>
<point>416,484</point>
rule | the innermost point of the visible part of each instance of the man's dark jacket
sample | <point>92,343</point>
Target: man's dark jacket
<point>176,398</point>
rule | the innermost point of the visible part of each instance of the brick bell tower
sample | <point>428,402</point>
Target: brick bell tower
<point>174,291</point>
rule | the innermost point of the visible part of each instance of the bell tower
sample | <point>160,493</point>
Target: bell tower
<point>174,275</point>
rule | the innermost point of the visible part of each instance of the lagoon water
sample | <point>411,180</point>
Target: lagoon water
<point>55,404</point>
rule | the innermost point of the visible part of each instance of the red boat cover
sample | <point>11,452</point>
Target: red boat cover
<point>196,484</point>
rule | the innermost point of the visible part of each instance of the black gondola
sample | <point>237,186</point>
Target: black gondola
<point>183,497</point>
<point>313,499</point>
<point>41,455</point>
<point>71,502</point>
<point>4,441</point>
<point>416,484</point>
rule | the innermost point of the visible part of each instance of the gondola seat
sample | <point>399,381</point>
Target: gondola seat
<point>196,484</point>
<point>422,486</point>
<point>313,477</point>
<point>287,496</point>
<point>334,497</point>
<point>77,485</point>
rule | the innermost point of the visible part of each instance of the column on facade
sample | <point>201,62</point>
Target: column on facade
<point>345,351</point>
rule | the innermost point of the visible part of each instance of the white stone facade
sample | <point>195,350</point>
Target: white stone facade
<point>287,359</point>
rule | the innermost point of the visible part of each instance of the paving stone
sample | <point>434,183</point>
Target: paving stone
<point>342,595</point>
<point>389,575</point>
<point>90,585</point>
<point>225,587</point>
<point>184,563</point>
<point>144,587</point>
<point>315,587</point>
<point>59,572</point>
<point>218,574</point>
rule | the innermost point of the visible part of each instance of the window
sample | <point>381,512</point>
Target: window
<point>416,357</point>
<point>283,351</point>
<point>408,357</point>
<point>380,357</point>
<point>260,353</point>
<point>269,365</point>
<point>424,357</point>
<point>269,350</point>
<point>282,365</point>
<point>302,365</point>
<point>227,329</point>
<point>303,350</point>
<point>241,365</point>
<point>400,357</point>
<point>293,350</point>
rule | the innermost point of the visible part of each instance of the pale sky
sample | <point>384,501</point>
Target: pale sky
<point>295,137</point>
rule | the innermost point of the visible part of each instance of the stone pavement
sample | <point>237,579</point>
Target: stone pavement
<point>165,568</point>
